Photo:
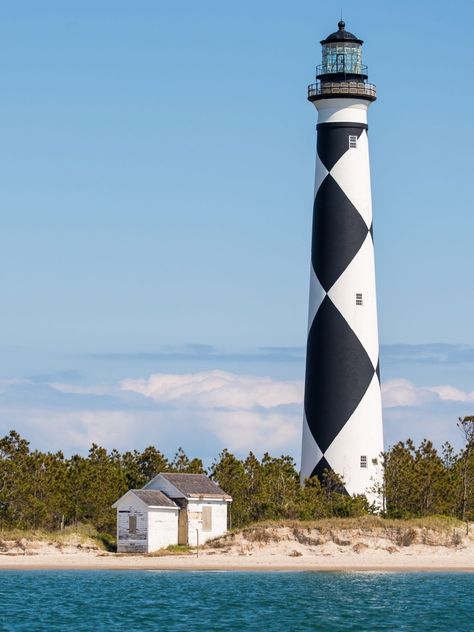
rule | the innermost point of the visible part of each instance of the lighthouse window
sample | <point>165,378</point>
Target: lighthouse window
<point>352,142</point>
<point>363,462</point>
<point>359,300</point>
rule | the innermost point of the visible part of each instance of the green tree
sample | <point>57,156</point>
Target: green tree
<point>95,483</point>
<point>466,468</point>
<point>141,467</point>
<point>14,483</point>
<point>418,481</point>
<point>229,473</point>
<point>183,464</point>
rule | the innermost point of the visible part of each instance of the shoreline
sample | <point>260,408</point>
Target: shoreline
<point>178,563</point>
<point>245,569</point>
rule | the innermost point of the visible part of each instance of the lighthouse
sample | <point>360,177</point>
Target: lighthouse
<point>342,426</point>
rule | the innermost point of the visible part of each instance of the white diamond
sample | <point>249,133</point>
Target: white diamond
<point>352,174</point>
<point>359,278</point>
<point>311,454</point>
<point>321,173</point>
<point>360,436</point>
<point>316,296</point>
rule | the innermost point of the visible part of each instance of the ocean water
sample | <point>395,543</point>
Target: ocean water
<point>147,600</point>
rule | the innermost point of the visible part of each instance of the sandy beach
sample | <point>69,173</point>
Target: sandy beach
<point>265,549</point>
<point>421,563</point>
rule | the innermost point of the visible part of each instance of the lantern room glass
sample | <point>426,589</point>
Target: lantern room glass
<point>345,57</point>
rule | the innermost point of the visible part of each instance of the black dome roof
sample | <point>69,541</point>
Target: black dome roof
<point>341,35</point>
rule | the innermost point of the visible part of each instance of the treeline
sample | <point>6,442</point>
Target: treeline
<point>41,490</point>
<point>420,481</point>
<point>48,491</point>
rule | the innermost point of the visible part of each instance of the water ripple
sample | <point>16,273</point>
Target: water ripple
<point>280,602</point>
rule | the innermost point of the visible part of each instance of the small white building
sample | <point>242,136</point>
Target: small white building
<point>171,509</point>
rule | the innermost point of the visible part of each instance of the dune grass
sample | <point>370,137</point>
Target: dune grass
<point>402,531</point>
<point>433,530</point>
<point>436,523</point>
<point>82,534</point>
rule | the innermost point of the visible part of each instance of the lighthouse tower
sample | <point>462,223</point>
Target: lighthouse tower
<point>342,427</point>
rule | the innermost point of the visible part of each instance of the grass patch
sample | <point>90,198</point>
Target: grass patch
<point>172,549</point>
<point>179,548</point>
<point>405,537</point>
<point>106,541</point>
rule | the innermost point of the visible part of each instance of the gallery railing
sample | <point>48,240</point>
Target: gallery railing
<point>349,88</point>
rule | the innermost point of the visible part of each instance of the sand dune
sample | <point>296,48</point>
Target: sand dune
<point>291,547</point>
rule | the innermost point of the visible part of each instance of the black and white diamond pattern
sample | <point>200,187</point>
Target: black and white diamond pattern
<point>342,390</point>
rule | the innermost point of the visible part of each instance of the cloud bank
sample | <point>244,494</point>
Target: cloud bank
<point>205,411</point>
<point>214,389</point>
<point>243,412</point>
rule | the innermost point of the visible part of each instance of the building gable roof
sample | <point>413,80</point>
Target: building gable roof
<point>149,497</point>
<point>195,486</point>
<point>153,498</point>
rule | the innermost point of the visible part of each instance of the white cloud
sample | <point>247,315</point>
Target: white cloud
<point>242,431</point>
<point>213,389</point>
<point>14,381</point>
<point>74,389</point>
<point>450,393</point>
<point>71,429</point>
<point>82,428</point>
<point>401,392</point>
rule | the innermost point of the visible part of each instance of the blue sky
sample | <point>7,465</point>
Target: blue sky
<point>157,163</point>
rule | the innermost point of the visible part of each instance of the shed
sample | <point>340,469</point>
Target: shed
<point>202,505</point>
<point>171,509</point>
<point>146,521</point>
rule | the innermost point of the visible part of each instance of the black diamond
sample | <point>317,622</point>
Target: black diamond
<point>377,370</point>
<point>338,373</point>
<point>338,232</point>
<point>333,142</point>
<point>321,469</point>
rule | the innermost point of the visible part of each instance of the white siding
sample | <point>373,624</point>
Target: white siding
<point>128,506</point>
<point>219,520</point>
<point>162,528</point>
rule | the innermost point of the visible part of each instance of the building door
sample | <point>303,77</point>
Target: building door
<point>183,526</point>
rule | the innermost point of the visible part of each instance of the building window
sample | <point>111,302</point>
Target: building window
<point>359,300</point>
<point>363,462</point>
<point>352,142</point>
<point>207,518</point>
<point>132,525</point>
